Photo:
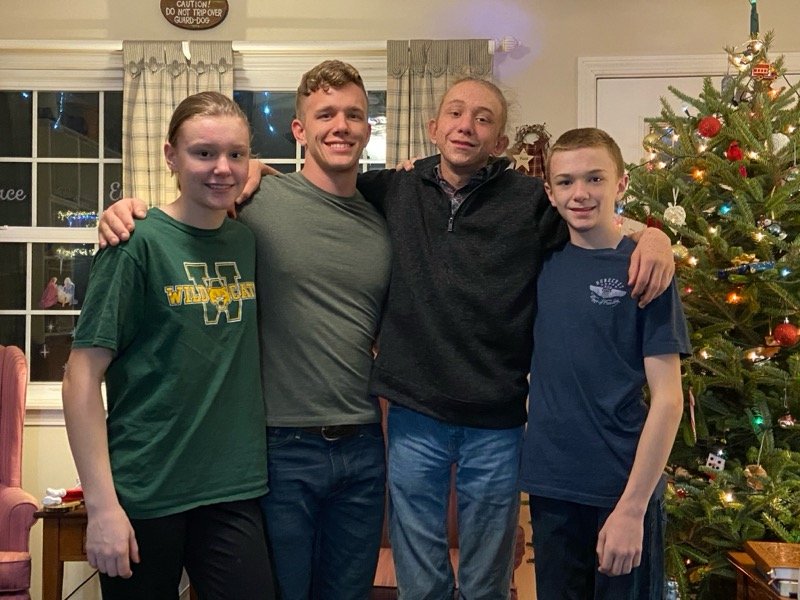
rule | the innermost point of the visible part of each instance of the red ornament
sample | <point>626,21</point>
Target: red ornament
<point>653,222</point>
<point>734,152</point>
<point>681,492</point>
<point>709,127</point>
<point>786,334</point>
<point>742,170</point>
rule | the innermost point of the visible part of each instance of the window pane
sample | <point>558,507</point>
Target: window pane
<point>12,276</point>
<point>375,166</point>
<point>67,195</point>
<point>113,124</point>
<point>112,180</point>
<point>51,342</point>
<point>12,330</point>
<point>270,115</point>
<point>376,148</point>
<point>60,275</point>
<point>15,123</point>
<point>15,194</point>
<point>68,125</point>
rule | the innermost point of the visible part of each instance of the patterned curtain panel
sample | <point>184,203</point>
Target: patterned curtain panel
<point>157,77</point>
<point>419,72</point>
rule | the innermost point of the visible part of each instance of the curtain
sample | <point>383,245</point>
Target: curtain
<point>157,77</point>
<point>418,74</point>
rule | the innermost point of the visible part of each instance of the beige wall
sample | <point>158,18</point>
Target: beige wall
<point>540,76</point>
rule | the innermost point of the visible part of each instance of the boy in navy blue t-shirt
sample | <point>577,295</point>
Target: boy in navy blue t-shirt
<point>594,452</point>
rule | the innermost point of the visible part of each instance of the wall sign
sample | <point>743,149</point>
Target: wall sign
<point>194,14</point>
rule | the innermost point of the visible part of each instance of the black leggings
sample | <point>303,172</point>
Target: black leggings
<point>221,546</point>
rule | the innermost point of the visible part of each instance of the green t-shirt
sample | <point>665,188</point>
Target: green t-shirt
<point>323,269</point>
<point>176,305</point>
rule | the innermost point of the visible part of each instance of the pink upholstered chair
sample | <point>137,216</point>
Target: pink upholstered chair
<point>16,505</point>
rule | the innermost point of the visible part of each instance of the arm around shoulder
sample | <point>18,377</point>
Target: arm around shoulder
<point>117,221</point>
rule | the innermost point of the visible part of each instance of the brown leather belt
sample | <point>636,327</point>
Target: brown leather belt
<point>331,433</point>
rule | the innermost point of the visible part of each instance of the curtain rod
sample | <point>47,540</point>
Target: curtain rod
<point>504,44</point>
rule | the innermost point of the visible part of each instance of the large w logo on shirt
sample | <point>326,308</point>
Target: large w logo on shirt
<point>221,294</point>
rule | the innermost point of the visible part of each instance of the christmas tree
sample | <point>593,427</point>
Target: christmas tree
<point>721,177</point>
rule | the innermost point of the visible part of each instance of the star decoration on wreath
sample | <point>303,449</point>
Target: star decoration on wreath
<point>529,151</point>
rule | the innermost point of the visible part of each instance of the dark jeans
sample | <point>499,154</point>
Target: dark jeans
<point>324,511</point>
<point>221,546</point>
<point>565,558</point>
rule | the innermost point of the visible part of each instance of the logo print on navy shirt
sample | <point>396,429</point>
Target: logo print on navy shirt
<point>608,291</point>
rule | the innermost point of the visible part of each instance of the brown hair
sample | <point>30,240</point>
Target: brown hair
<point>587,137</point>
<point>498,93</point>
<point>203,104</point>
<point>327,74</point>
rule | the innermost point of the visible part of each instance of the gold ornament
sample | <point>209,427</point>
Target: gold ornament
<point>755,474</point>
<point>680,252</point>
<point>743,259</point>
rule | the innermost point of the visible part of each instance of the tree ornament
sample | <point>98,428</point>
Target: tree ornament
<point>716,458</point>
<point>680,252</point>
<point>764,71</point>
<point>653,222</point>
<point>742,171</point>
<point>786,421</point>
<point>674,214</point>
<point>671,590</point>
<point>650,140</point>
<point>709,126</point>
<point>755,475</point>
<point>786,334</point>
<point>734,152</point>
<point>779,142</point>
<point>772,227</point>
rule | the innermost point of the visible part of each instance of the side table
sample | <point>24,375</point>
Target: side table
<point>750,585</point>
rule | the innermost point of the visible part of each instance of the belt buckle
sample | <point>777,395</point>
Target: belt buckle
<point>335,432</point>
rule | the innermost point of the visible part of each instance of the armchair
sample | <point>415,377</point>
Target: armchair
<point>16,505</point>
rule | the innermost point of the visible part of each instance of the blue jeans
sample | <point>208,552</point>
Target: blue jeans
<point>564,549</point>
<point>421,453</point>
<point>324,511</point>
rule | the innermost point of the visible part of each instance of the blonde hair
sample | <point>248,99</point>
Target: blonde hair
<point>587,137</point>
<point>203,104</point>
<point>327,74</point>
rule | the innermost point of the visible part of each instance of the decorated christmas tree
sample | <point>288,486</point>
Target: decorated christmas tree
<point>722,179</point>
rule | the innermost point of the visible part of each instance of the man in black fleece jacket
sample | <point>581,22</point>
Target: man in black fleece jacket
<point>468,238</point>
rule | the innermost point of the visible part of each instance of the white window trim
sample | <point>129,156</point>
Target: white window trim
<point>52,66</point>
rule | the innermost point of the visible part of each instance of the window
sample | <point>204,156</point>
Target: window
<point>61,166</point>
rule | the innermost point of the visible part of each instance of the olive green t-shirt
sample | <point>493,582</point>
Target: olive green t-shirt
<point>323,269</point>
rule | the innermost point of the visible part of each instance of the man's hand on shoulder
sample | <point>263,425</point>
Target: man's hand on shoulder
<point>407,165</point>
<point>652,265</point>
<point>117,221</point>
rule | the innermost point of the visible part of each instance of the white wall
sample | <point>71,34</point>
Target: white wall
<point>540,77</point>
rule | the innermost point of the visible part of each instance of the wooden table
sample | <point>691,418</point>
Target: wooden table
<point>750,585</point>
<point>63,539</point>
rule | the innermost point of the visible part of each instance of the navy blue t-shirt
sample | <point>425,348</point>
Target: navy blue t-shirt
<point>586,407</point>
